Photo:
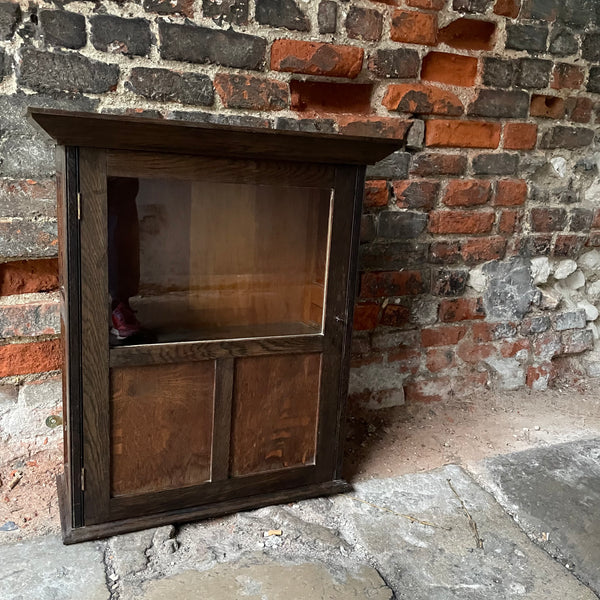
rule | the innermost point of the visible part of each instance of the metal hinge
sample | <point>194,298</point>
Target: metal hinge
<point>83,479</point>
<point>78,206</point>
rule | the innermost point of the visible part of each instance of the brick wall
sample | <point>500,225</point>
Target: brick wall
<point>478,258</point>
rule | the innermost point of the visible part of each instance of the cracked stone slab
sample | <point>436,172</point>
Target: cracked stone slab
<point>442,561</point>
<point>554,494</point>
<point>44,569</point>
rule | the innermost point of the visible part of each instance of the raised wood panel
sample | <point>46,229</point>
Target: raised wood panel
<point>161,426</point>
<point>275,406</point>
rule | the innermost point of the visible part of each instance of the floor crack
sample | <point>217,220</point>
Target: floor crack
<point>110,574</point>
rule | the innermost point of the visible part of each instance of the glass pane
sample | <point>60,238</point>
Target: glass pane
<point>193,260</point>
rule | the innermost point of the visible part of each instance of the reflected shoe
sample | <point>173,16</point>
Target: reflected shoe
<point>124,323</point>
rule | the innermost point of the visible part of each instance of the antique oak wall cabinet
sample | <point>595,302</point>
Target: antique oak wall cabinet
<point>237,250</point>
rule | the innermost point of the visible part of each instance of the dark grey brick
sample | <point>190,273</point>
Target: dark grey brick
<point>327,16</point>
<point>171,7</point>
<point>563,42</point>
<point>193,44</point>
<point>126,36</point>
<point>500,103</point>
<point>449,282</point>
<point>57,71</point>
<point>398,63</point>
<point>395,166</point>
<point>471,6</point>
<point>574,342</point>
<point>579,13</point>
<point>568,137</point>
<point>10,15</point>
<point>167,86</point>
<point>389,256</point>
<point>526,37</point>
<point>574,319</point>
<point>401,225</point>
<point>364,24</point>
<point>62,28</point>
<point>308,125</point>
<point>368,228</point>
<point>222,119</point>
<point>533,325</point>
<point>496,164</point>
<point>281,13</point>
<point>594,80</point>
<point>542,10</point>
<point>498,72</point>
<point>590,47</point>
<point>533,73</point>
<point>230,11</point>
<point>3,65</point>
<point>581,219</point>
<point>24,238</point>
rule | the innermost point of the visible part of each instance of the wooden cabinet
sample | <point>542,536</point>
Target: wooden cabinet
<point>237,251</point>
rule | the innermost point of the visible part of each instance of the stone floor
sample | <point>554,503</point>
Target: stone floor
<point>525,527</point>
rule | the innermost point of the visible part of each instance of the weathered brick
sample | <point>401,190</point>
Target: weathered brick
<point>427,4</point>
<point>376,194</point>
<point>380,127</point>
<point>567,137</point>
<point>487,332</point>
<point>189,43</point>
<point>579,13</point>
<point>575,342</point>
<point>590,46</point>
<point>368,228</point>
<point>364,24</point>
<point>327,16</point>
<point>478,250</point>
<point>537,324</point>
<point>467,192</point>
<point>461,309</point>
<point>230,11</point>
<point>439,359</point>
<point>391,283</point>
<point>121,36</point>
<point>62,28</point>
<point>415,194</point>
<point>4,66</point>
<point>401,225</point>
<point>548,219</point>
<point>324,97</point>
<point>474,353</point>
<point>510,192</point>
<point>535,245</point>
<point>563,42</point>
<point>538,377</point>
<point>520,136</point>
<point>460,221</point>
<point>498,72</point>
<point>306,125</point>
<point>531,38</point>
<point>10,16</point>
<point>444,252</point>
<point>468,34</point>
<point>281,13</point>
<point>533,73</point>
<point>581,219</point>
<point>395,166</point>
<point>442,336</point>
<point>29,320</point>
<point>512,348</point>
<point>569,246</point>
<point>28,276</point>
<point>431,390</point>
<point>389,256</point>
<point>316,58</point>
<point>449,282</point>
<point>57,71</point>
<point>429,164</point>
<point>508,8</point>
<point>163,85</point>
<point>509,221</point>
<point>462,134</point>
<point>471,6</point>
<point>453,69</point>
<point>594,80</point>
<point>568,76</point>
<point>27,198</point>
<point>396,63</point>
<point>580,109</point>
<point>38,357</point>
<point>413,27</point>
<point>366,316</point>
<point>495,164</point>
<point>249,92</point>
<point>549,107</point>
<point>395,315</point>
<point>418,98</point>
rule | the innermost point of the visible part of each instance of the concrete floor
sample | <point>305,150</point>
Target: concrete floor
<point>527,527</point>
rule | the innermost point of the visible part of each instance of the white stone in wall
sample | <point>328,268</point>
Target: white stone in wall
<point>477,280</point>
<point>593,291</point>
<point>574,281</point>
<point>591,312</point>
<point>590,261</point>
<point>559,165</point>
<point>592,194</point>
<point>550,299</point>
<point>376,378</point>
<point>564,268</point>
<point>509,373</point>
<point>540,269</point>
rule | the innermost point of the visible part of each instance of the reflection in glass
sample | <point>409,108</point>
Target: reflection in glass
<point>193,260</point>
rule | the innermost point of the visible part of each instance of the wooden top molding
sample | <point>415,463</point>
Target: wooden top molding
<point>207,139</point>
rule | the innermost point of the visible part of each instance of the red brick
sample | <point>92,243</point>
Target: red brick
<point>508,8</point>
<point>364,24</point>
<point>387,127</point>
<point>460,221</point>
<point>249,92</point>
<point>391,283</point>
<point>430,164</point>
<point>547,107</point>
<point>478,250</point>
<point>426,4</point>
<point>38,357</point>
<point>418,98</point>
<point>439,359</point>
<point>467,192</point>
<point>509,221</point>
<point>366,316</point>
<point>580,109</point>
<point>567,76</point>
<point>434,390</point>
<point>376,194</point>
<point>511,192</point>
<point>315,58</point>
<point>28,276</point>
<point>323,97</point>
<point>442,336</point>
<point>473,353</point>
<point>468,34</point>
<point>508,349</point>
<point>534,374</point>
<point>453,69</point>
<point>520,136</point>
<point>395,315</point>
<point>462,134</point>
<point>569,246</point>
<point>419,194</point>
<point>413,27</point>
<point>596,221</point>
<point>444,252</point>
<point>461,309</point>
<point>483,332</point>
